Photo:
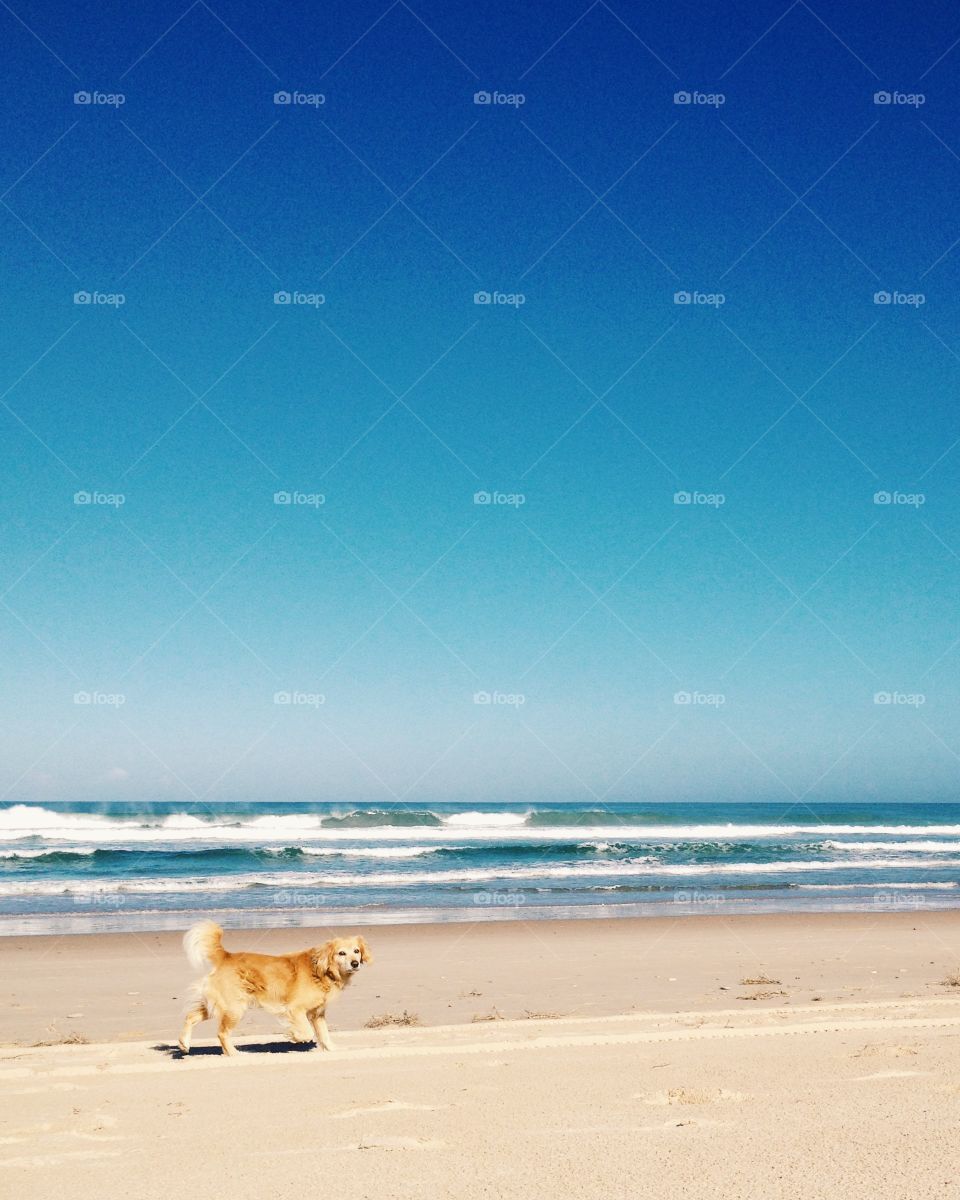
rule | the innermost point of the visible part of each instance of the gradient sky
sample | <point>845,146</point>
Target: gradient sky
<point>597,599</point>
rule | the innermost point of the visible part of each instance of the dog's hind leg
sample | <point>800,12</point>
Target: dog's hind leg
<point>299,1029</point>
<point>228,1022</point>
<point>198,1013</point>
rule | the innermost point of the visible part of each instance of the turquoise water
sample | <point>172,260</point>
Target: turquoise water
<point>112,866</point>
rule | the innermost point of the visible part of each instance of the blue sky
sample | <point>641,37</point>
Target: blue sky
<point>782,599</point>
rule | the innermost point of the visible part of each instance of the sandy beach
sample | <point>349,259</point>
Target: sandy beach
<point>717,1054</point>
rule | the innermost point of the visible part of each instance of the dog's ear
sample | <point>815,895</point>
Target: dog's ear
<point>324,959</point>
<point>365,954</point>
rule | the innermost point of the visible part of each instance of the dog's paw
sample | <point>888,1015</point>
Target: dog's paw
<point>184,1046</point>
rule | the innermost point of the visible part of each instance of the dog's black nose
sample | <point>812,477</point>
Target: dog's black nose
<point>355,962</point>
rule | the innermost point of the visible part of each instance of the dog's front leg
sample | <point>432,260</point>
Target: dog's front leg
<point>319,1023</point>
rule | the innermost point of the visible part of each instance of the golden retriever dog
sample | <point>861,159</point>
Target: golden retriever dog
<point>295,986</point>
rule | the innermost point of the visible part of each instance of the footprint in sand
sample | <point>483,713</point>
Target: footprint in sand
<point>56,1160</point>
<point>872,1050</point>
<point>892,1075</point>
<point>43,1091</point>
<point>680,1095</point>
<point>384,1107</point>
<point>42,1127</point>
<point>398,1143</point>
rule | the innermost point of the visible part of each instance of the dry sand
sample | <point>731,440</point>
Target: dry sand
<point>648,1067</point>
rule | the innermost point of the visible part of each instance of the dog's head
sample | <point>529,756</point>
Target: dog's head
<point>341,958</point>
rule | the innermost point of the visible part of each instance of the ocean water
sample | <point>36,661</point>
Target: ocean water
<point>81,867</point>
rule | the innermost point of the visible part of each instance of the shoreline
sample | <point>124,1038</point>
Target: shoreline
<point>888,899</point>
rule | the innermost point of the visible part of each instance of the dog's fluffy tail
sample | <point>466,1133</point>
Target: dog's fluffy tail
<point>203,943</point>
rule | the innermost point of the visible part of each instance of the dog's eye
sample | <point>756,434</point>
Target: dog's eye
<point>342,953</point>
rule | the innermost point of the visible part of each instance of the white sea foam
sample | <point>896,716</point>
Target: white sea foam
<point>29,821</point>
<point>482,820</point>
<point>918,846</point>
<point>43,853</point>
<point>373,851</point>
<point>303,882</point>
<point>889,887</point>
